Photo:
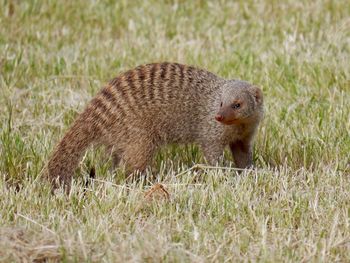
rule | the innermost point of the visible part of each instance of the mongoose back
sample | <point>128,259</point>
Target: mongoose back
<point>161,103</point>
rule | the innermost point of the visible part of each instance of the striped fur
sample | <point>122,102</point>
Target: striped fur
<point>157,104</point>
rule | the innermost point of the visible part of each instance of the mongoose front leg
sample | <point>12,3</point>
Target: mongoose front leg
<point>212,153</point>
<point>242,154</point>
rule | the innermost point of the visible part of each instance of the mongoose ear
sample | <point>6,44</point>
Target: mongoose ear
<point>258,95</point>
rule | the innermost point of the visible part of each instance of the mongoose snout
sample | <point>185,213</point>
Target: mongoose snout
<point>219,117</point>
<point>132,133</point>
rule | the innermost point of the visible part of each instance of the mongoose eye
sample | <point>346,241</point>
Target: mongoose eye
<point>221,104</point>
<point>235,105</point>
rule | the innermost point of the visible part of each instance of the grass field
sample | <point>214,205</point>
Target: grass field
<point>55,55</point>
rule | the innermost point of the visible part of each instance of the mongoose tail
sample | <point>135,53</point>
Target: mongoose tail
<point>70,150</point>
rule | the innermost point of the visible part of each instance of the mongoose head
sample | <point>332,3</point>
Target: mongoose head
<point>240,103</point>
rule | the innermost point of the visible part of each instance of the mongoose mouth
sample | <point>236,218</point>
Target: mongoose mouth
<point>221,119</point>
<point>231,122</point>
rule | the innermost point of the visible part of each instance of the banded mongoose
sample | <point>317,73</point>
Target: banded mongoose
<point>161,103</point>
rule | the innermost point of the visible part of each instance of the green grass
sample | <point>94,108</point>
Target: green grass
<point>55,55</point>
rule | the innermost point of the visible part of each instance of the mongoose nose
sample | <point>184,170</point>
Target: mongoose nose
<point>219,117</point>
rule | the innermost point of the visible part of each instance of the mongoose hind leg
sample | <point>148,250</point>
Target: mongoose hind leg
<point>116,159</point>
<point>115,155</point>
<point>137,157</point>
<point>242,154</point>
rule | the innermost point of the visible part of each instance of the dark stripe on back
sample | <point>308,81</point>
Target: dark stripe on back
<point>108,96</point>
<point>163,70</point>
<point>182,75</point>
<point>172,75</point>
<point>151,81</point>
<point>130,80</point>
<point>139,82</point>
<point>103,116</point>
<point>120,89</point>
<point>123,88</point>
<point>141,74</point>
<point>120,110</point>
<point>190,71</point>
<point>114,81</point>
<point>99,104</point>
<point>164,81</point>
<point>129,92</point>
